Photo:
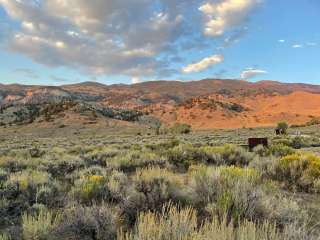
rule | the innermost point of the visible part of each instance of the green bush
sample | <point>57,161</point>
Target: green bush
<point>183,156</point>
<point>302,142</point>
<point>180,128</point>
<point>23,186</point>
<point>99,156</point>
<point>280,150</point>
<point>283,127</point>
<point>40,226</point>
<point>91,188</point>
<point>177,128</point>
<point>29,179</point>
<point>130,160</point>
<point>301,170</point>
<point>230,155</point>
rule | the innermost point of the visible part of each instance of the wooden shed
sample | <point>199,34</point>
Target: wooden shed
<point>254,142</point>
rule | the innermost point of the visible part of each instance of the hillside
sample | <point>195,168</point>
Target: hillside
<point>204,104</point>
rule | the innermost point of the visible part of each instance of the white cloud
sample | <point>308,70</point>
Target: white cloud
<point>117,37</point>
<point>122,37</point>
<point>251,73</point>
<point>136,80</point>
<point>221,15</point>
<point>297,46</point>
<point>203,64</point>
<point>281,41</point>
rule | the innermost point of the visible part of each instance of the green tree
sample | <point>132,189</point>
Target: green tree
<point>282,127</point>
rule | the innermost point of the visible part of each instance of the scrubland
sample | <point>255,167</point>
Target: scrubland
<point>143,186</point>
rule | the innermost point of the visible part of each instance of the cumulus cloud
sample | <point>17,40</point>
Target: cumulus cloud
<point>203,64</point>
<point>121,37</point>
<point>221,15</point>
<point>101,36</point>
<point>251,73</point>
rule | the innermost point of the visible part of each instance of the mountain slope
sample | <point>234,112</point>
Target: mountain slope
<point>203,104</point>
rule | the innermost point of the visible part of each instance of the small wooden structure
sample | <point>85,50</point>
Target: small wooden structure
<point>254,142</point>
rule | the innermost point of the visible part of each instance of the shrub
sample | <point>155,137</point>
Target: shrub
<point>95,222</point>
<point>280,150</point>
<point>47,195</point>
<point>283,127</point>
<point>131,160</point>
<point>99,156</point>
<point>180,128</point>
<point>22,186</point>
<point>118,185</point>
<point>183,156</point>
<point>91,171</point>
<point>266,166</point>
<point>298,142</point>
<point>229,191</point>
<point>40,226</point>
<point>300,169</point>
<point>170,224</point>
<point>152,187</point>
<point>3,177</point>
<point>283,210</point>
<point>177,128</point>
<point>91,188</point>
<point>298,231</point>
<point>29,179</point>
<point>163,146</point>
<point>317,186</point>
<point>64,167</point>
<point>302,142</point>
<point>5,236</point>
<point>228,155</point>
<point>261,151</point>
<point>158,186</point>
<point>176,224</point>
<point>233,155</point>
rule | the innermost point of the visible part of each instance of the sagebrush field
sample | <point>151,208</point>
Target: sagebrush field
<point>129,185</point>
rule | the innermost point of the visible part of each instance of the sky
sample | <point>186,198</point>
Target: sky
<point>56,42</point>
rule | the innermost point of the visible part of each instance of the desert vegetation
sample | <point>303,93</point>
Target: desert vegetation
<point>167,186</point>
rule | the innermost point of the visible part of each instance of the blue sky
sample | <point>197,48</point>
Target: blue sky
<point>124,41</point>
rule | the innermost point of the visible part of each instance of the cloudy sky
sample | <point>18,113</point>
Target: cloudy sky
<point>129,41</point>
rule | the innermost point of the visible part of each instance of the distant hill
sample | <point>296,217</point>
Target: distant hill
<point>205,104</point>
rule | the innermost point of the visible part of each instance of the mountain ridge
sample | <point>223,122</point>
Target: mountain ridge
<point>207,103</point>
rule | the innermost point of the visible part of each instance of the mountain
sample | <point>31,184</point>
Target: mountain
<point>205,104</point>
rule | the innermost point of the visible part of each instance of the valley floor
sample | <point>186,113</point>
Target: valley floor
<point>116,182</point>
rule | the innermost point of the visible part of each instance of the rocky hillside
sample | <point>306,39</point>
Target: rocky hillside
<point>203,104</point>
